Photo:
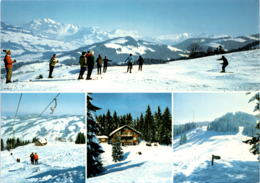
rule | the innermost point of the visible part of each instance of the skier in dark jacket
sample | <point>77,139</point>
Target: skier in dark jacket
<point>99,62</point>
<point>83,64</point>
<point>106,60</point>
<point>53,62</point>
<point>32,158</point>
<point>90,63</point>
<point>140,63</point>
<point>224,64</point>
<point>129,61</point>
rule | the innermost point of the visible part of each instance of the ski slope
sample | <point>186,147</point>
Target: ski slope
<point>58,162</point>
<point>200,74</point>
<point>153,166</point>
<point>192,160</point>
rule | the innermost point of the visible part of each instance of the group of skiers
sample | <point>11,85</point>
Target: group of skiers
<point>87,62</point>
<point>34,158</point>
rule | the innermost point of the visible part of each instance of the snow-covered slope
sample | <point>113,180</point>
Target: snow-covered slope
<point>152,166</point>
<point>58,162</point>
<point>49,127</point>
<point>192,160</point>
<point>227,42</point>
<point>200,74</point>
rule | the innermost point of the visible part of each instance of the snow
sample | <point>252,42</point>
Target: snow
<point>192,161</point>
<point>152,166</point>
<point>174,49</point>
<point>201,74</point>
<point>58,162</point>
<point>50,127</point>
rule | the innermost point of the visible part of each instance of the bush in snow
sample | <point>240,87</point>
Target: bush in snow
<point>80,138</point>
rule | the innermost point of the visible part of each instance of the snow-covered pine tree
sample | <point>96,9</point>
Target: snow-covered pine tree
<point>255,140</point>
<point>94,150</point>
<point>117,152</point>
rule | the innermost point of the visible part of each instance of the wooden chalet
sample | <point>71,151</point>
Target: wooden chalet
<point>127,134</point>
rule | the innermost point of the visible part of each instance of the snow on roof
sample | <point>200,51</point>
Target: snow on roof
<point>116,130</point>
<point>102,136</point>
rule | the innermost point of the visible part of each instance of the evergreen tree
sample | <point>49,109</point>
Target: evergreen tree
<point>255,140</point>
<point>115,120</point>
<point>166,128</point>
<point>2,145</point>
<point>109,123</point>
<point>80,139</point>
<point>94,149</point>
<point>148,125</point>
<point>158,125</point>
<point>129,119</point>
<point>117,152</point>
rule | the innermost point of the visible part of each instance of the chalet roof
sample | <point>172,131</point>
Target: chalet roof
<point>102,136</point>
<point>116,130</point>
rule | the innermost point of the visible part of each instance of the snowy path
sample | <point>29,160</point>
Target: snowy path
<point>153,166</point>
<point>192,161</point>
<point>200,74</point>
<point>58,162</point>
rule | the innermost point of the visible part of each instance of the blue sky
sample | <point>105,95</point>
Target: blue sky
<point>134,103</point>
<point>148,17</point>
<point>208,106</point>
<point>34,103</point>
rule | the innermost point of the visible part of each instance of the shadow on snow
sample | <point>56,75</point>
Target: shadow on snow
<point>75,174</point>
<point>232,172</point>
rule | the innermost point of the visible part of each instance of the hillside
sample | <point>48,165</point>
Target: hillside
<point>50,127</point>
<point>235,165</point>
<point>185,75</point>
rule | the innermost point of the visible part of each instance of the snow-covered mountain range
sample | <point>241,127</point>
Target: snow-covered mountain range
<point>49,127</point>
<point>40,38</point>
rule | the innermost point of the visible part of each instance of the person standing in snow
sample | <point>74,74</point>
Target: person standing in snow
<point>129,61</point>
<point>83,64</point>
<point>106,60</point>
<point>90,63</point>
<point>140,62</point>
<point>8,66</point>
<point>224,64</point>
<point>53,62</point>
<point>32,158</point>
<point>36,158</point>
<point>99,62</point>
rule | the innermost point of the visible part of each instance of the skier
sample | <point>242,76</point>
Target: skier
<point>224,64</point>
<point>90,63</point>
<point>129,61</point>
<point>36,158</point>
<point>83,64</point>
<point>99,62</point>
<point>32,158</point>
<point>8,65</point>
<point>106,60</point>
<point>53,62</point>
<point>140,63</point>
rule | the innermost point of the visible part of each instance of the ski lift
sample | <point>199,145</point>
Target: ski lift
<point>53,107</point>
